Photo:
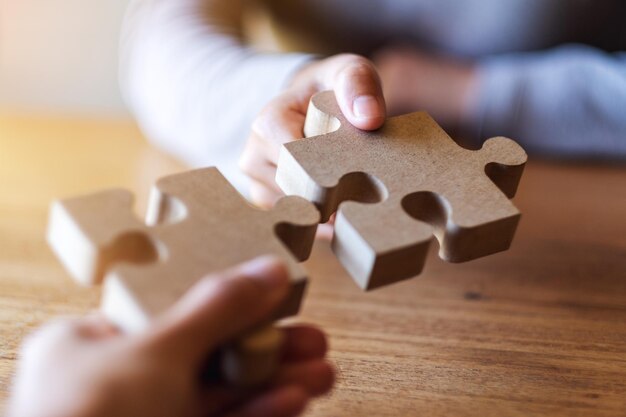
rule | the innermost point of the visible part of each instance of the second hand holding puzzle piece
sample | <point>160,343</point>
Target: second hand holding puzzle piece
<point>197,223</point>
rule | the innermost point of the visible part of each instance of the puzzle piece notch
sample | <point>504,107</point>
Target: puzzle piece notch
<point>461,194</point>
<point>367,250</point>
<point>507,172</point>
<point>106,232</point>
<point>200,224</point>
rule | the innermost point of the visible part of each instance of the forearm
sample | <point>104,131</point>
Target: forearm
<point>566,102</point>
<point>192,83</point>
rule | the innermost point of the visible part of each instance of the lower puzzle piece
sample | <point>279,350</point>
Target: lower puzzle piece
<point>397,186</point>
<point>196,224</point>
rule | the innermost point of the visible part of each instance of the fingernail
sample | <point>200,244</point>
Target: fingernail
<point>268,270</point>
<point>366,107</point>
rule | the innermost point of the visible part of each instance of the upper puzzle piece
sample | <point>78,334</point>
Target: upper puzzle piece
<point>406,181</point>
<point>196,224</point>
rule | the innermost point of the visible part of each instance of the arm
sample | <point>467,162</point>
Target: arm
<point>196,89</point>
<point>569,101</point>
<point>87,368</point>
<point>192,83</point>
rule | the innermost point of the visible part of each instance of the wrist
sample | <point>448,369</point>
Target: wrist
<point>450,94</point>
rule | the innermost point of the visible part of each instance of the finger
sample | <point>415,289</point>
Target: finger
<point>358,90</point>
<point>280,122</point>
<point>286,401</point>
<point>256,165</point>
<point>325,232</point>
<point>264,195</point>
<point>303,343</point>
<point>56,334</point>
<point>315,376</point>
<point>218,400</point>
<point>220,307</point>
<point>264,192</point>
<point>91,327</point>
<point>256,161</point>
<point>95,326</point>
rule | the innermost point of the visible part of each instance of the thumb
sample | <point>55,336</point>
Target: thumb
<point>358,89</point>
<point>220,307</point>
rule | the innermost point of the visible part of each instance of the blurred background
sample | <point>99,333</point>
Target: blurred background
<point>543,324</point>
<point>60,57</point>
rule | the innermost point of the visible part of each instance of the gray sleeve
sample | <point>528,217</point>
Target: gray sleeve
<point>570,101</point>
<point>192,83</point>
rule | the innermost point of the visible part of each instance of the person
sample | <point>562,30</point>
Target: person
<point>86,368</point>
<point>549,74</point>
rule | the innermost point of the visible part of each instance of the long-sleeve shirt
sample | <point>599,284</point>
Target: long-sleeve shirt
<point>551,73</point>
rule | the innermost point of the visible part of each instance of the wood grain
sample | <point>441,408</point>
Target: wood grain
<point>538,330</point>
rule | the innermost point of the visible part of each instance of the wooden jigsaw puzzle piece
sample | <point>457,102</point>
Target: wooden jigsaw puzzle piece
<point>197,224</point>
<point>90,234</point>
<point>504,162</point>
<point>378,253</point>
<point>214,228</point>
<point>470,209</point>
<point>323,170</point>
<point>410,162</point>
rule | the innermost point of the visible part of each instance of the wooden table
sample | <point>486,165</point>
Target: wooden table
<point>539,330</point>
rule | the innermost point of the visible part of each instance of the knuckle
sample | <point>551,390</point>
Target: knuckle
<point>262,196</point>
<point>245,162</point>
<point>238,289</point>
<point>245,159</point>
<point>348,59</point>
<point>358,70</point>
<point>268,113</point>
<point>265,123</point>
<point>259,124</point>
<point>58,328</point>
<point>361,74</point>
<point>358,65</point>
<point>55,332</point>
